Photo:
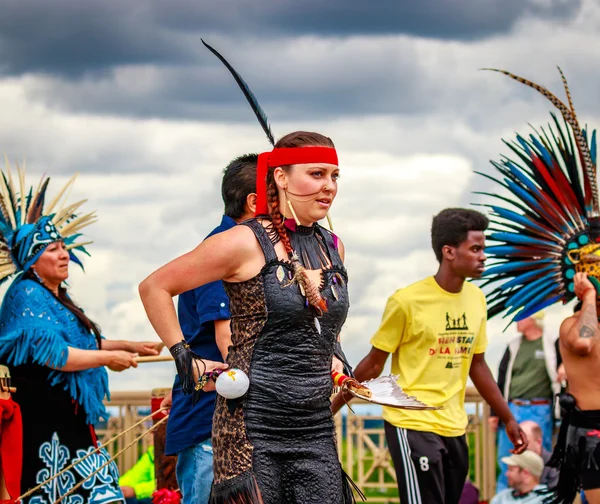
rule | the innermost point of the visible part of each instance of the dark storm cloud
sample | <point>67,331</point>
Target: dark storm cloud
<point>71,38</point>
<point>146,60</point>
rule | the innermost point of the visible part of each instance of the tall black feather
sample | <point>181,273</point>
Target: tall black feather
<point>260,113</point>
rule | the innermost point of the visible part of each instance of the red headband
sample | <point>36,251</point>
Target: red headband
<point>283,157</point>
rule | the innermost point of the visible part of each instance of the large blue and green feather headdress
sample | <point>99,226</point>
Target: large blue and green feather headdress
<point>545,216</point>
<point>28,225</point>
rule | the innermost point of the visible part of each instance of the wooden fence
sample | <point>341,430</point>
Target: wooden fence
<point>361,447</point>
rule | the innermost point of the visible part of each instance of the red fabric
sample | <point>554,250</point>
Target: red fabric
<point>11,445</point>
<point>94,436</point>
<point>166,496</point>
<point>155,406</point>
<point>283,157</point>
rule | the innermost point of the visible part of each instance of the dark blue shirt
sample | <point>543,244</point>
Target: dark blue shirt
<point>197,311</point>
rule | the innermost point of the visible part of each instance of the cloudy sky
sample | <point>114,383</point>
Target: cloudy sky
<point>128,96</point>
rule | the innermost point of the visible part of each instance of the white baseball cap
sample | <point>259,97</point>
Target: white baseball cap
<point>528,460</point>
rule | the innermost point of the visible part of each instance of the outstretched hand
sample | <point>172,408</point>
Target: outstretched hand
<point>517,437</point>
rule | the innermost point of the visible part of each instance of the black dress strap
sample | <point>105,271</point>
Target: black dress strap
<point>263,239</point>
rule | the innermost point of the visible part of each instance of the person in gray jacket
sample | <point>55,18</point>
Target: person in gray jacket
<point>529,377</point>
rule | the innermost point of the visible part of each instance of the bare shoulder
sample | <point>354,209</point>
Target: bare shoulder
<point>239,247</point>
<point>238,239</point>
<point>232,250</point>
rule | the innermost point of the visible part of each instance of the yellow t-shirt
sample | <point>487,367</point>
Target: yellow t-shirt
<point>433,335</point>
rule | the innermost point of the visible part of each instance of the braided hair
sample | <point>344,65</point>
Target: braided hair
<point>296,139</point>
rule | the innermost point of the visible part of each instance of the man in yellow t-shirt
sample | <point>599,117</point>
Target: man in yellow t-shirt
<point>435,330</point>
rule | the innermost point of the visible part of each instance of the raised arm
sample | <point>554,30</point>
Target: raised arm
<point>581,334</point>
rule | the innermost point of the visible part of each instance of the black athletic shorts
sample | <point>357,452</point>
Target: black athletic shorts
<point>583,446</point>
<point>430,469</point>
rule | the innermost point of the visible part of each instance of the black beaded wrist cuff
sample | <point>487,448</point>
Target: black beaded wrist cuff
<point>178,348</point>
<point>185,361</point>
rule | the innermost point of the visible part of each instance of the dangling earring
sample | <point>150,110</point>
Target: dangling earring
<point>289,204</point>
<point>282,207</point>
<point>329,222</point>
<point>39,278</point>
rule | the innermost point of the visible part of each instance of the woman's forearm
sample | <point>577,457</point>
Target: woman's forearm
<point>116,345</point>
<point>160,310</point>
<point>79,359</point>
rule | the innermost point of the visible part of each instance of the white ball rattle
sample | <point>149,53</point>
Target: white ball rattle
<point>232,383</point>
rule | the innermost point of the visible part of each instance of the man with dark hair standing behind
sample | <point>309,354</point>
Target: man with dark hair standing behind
<point>435,330</point>
<point>204,319</point>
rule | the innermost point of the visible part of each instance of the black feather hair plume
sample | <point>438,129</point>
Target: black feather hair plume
<point>258,111</point>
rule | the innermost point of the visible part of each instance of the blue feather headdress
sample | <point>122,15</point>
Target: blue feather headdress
<point>545,225</point>
<point>28,226</point>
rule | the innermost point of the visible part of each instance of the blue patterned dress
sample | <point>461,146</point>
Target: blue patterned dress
<point>59,408</point>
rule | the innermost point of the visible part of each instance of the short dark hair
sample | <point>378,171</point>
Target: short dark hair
<point>239,180</point>
<point>452,225</point>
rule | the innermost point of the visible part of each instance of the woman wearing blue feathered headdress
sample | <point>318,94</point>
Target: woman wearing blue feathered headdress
<point>55,352</point>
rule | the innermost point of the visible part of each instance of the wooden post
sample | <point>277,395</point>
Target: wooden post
<point>164,465</point>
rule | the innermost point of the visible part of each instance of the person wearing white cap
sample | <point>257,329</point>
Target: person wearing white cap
<point>523,474</point>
